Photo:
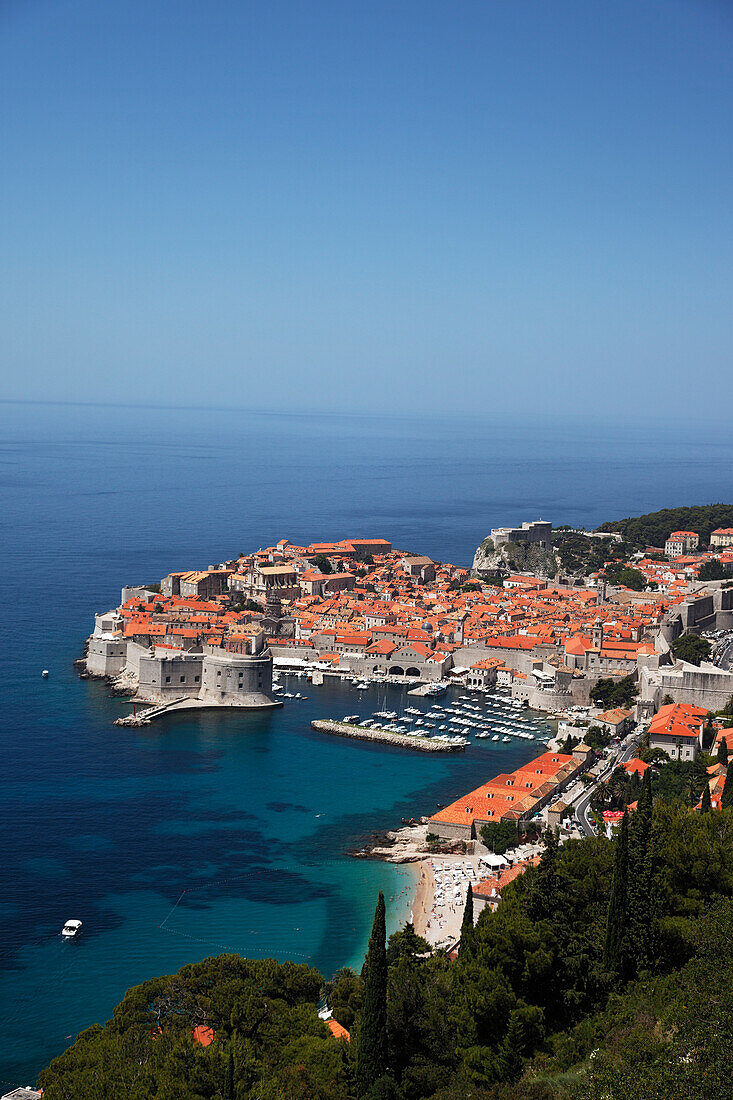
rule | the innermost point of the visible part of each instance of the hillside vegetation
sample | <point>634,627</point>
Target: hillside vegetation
<point>607,971</point>
<point>655,528</point>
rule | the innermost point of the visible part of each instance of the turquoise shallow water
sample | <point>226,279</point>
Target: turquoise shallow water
<point>202,834</point>
<point>193,836</point>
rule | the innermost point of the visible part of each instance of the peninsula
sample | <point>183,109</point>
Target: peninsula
<point>597,619</point>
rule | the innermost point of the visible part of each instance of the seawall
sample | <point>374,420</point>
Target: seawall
<point>384,737</point>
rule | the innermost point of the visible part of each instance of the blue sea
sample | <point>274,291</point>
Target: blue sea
<point>231,832</point>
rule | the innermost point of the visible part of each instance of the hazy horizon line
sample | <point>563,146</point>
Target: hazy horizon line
<point>528,416</point>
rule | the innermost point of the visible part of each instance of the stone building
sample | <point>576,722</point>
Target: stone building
<point>203,583</point>
<point>313,583</point>
<point>215,676</point>
<point>721,537</point>
<point>536,533</point>
<point>703,685</point>
<point>677,730</point>
<point>420,568</point>
<point>263,581</point>
<point>681,542</point>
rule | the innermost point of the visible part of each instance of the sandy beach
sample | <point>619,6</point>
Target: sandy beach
<point>440,898</point>
<point>423,897</point>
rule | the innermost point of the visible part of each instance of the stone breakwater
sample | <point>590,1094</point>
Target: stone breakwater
<point>384,737</point>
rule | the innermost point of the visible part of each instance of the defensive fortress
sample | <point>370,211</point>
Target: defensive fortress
<point>235,673</point>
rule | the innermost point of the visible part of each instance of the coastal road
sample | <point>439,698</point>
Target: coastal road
<point>723,654</point>
<point>625,752</point>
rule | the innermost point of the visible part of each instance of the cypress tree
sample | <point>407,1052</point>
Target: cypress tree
<point>467,924</point>
<point>644,810</point>
<point>723,752</point>
<point>371,1059</point>
<point>705,807</point>
<point>229,1077</point>
<point>726,798</point>
<point>637,953</point>
<point>617,917</point>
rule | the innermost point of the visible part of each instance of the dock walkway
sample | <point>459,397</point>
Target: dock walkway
<point>384,737</point>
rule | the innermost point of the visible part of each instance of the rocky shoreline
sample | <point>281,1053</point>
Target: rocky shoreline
<point>408,844</point>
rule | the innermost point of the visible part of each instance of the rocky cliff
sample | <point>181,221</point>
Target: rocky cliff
<point>514,557</point>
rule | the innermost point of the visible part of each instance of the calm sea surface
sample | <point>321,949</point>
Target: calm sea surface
<point>221,832</point>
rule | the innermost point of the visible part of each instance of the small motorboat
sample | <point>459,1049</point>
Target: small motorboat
<point>71,928</point>
<point>44,674</point>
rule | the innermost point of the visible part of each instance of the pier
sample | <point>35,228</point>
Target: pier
<point>145,717</point>
<point>384,737</point>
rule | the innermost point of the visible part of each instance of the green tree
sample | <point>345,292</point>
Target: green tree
<point>384,1088</point>
<point>499,836</point>
<point>726,798</point>
<point>722,756</point>
<point>322,564</point>
<point>597,738</point>
<point>344,995</point>
<point>691,648</point>
<point>641,892</point>
<point>712,571</point>
<point>228,1092</point>
<point>619,574</point>
<point>371,1062</point>
<point>608,692</point>
<point>614,953</point>
<point>406,944</point>
<point>467,922</point>
<point>705,807</point>
<point>542,900</point>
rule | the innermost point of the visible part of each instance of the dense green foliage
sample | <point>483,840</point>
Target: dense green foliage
<point>583,554</point>
<point>238,603</point>
<point>499,836</point>
<point>322,564</point>
<point>726,798</point>
<point>537,1006</point>
<point>692,648</point>
<point>610,693</point>
<point>676,781</point>
<point>266,1025</point>
<point>597,737</point>
<point>655,528</point>
<point>712,571</point>
<point>624,576</point>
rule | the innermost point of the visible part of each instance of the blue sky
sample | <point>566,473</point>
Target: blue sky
<point>489,207</point>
